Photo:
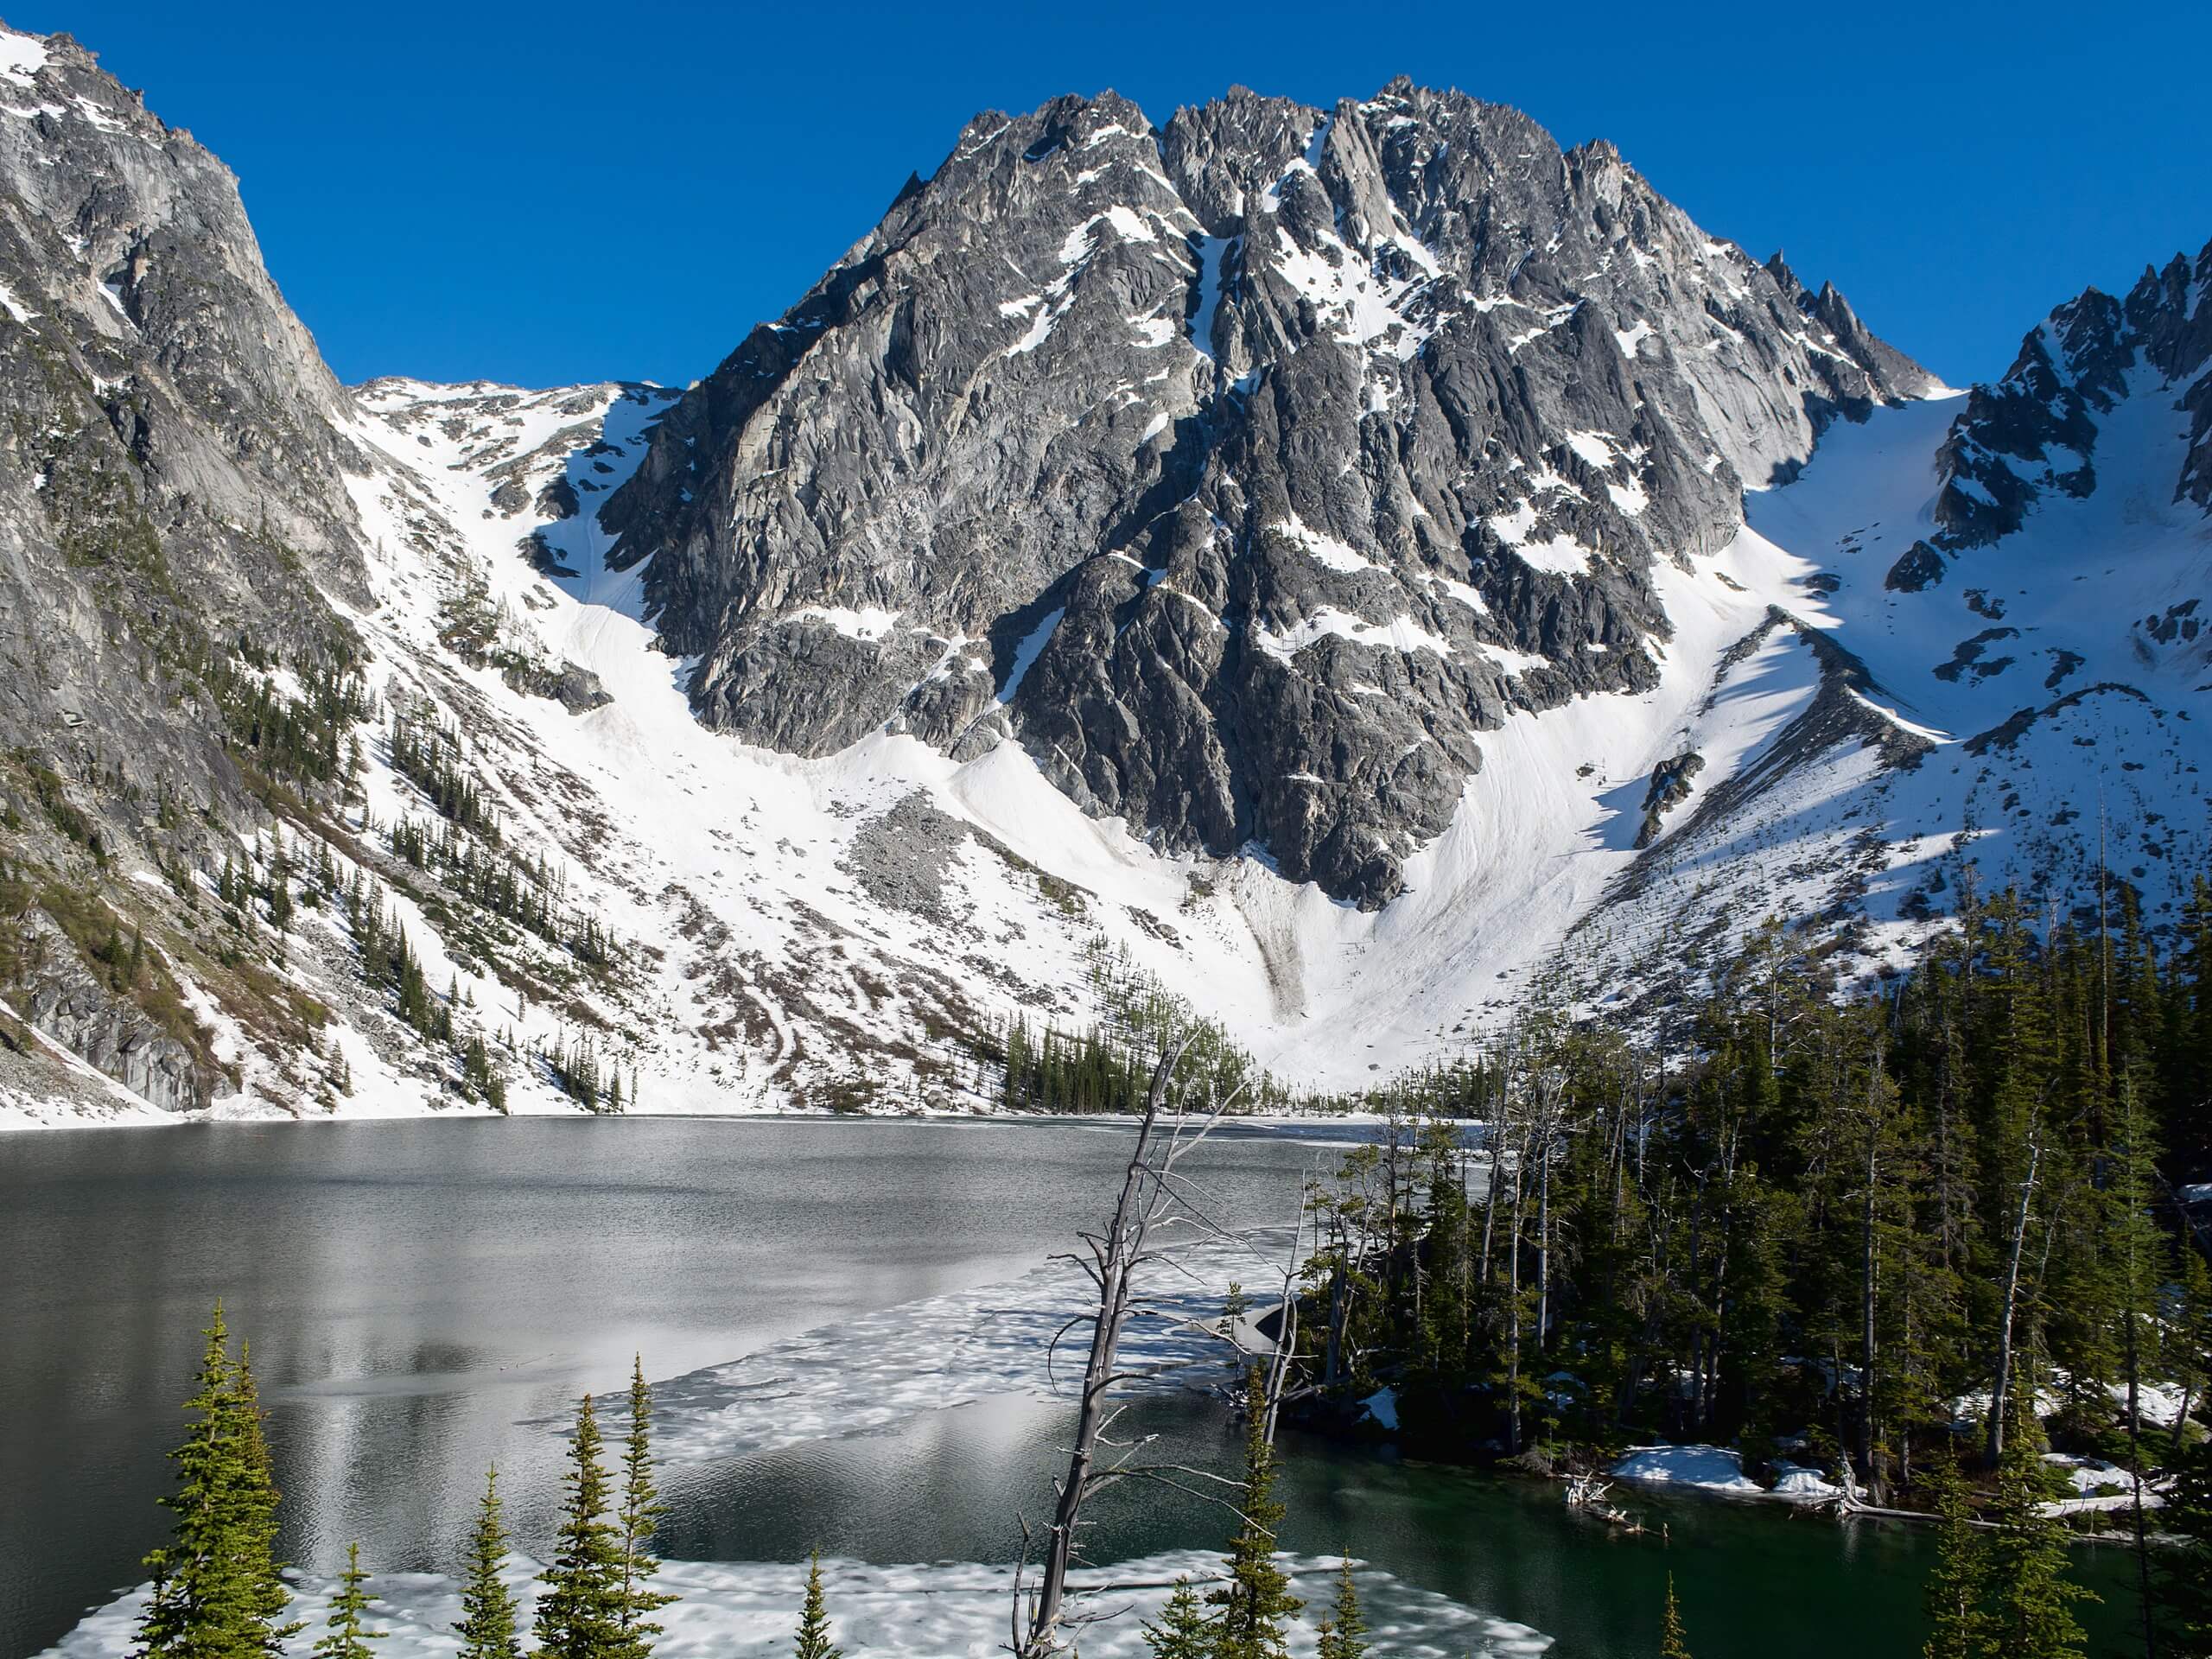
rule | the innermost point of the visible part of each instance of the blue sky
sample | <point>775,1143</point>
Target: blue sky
<point>561,191</point>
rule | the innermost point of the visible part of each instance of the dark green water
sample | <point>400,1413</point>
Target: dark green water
<point>423,1296</point>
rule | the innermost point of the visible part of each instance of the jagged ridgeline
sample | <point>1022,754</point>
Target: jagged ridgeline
<point>1340,565</point>
<point>1245,470</point>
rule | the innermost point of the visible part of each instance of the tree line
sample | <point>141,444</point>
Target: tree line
<point>1895,1231</point>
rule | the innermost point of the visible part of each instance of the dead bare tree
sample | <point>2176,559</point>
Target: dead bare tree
<point>2000,1387</point>
<point>1154,1193</point>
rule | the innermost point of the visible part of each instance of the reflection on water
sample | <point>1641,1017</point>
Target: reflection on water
<point>424,1297</point>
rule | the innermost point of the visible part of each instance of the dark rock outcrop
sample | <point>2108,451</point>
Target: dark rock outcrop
<point>2034,433</point>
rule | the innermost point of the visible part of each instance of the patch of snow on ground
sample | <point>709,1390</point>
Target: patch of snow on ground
<point>1708,1468</point>
<point>21,55</point>
<point>869,622</point>
<point>1211,250</point>
<point>1400,634</point>
<point>1557,555</point>
<point>1594,447</point>
<point>1803,1484</point>
<point>1026,654</point>
<point>1326,550</point>
<point>944,1610</point>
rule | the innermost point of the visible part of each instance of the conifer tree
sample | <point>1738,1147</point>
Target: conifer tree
<point>1956,1582</point>
<point>580,1607</point>
<point>2032,1614</point>
<point>814,1619</point>
<point>489,1614</point>
<point>1342,1629</point>
<point>1674,1642</point>
<point>1255,1601</point>
<point>1184,1632</point>
<point>346,1635</point>
<point>2185,1571</point>
<point>258,1499</point>
<point>635,1519</point>
<point>216,1588</point>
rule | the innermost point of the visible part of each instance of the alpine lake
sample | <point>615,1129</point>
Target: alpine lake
<point>424,1297</point>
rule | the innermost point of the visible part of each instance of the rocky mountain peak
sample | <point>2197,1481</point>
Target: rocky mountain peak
<point>2035,433</point>
<point>1243,470</point>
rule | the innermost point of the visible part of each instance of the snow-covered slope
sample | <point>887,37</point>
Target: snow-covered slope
<point>1962,641</point>
<point>1857,755</point>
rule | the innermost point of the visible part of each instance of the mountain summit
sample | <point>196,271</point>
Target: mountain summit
<point>1244,471</point>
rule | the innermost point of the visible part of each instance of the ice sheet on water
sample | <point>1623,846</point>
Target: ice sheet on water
<point>950,1610</point>
<point>947,1350</point>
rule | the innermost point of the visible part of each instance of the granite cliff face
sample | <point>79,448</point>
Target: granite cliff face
<point>171,506</point>
<point>1247,470</point>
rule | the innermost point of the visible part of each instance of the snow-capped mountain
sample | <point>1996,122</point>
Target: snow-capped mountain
<point>1244,471</point>
<point>1342,564</point>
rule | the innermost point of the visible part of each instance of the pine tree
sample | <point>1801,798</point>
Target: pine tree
<point>580,1608</point>
<point>345,1636</point>
<point>1956,1582</point>
<point>1674,1642</point>
<point>2031,1612</point>
<point>1184,1632</point>
<point>1342,1629</point>
<point>257,1499</point>
<point>1256,1600</point>
<point>2184,1586</point>
<point>640,1509</point>
<point>489,1615</point>
<point>814,1620</point>
<point>216,1588</point>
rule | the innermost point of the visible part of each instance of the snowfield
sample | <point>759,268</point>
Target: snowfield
<point>942,1611</point>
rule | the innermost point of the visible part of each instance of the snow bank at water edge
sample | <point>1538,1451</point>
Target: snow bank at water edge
<point>945,1610</point>
<point>1718,1469</point>
<point>1803,1484</point>
<point>1709,1468</point>
<point>2101,1485</point>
